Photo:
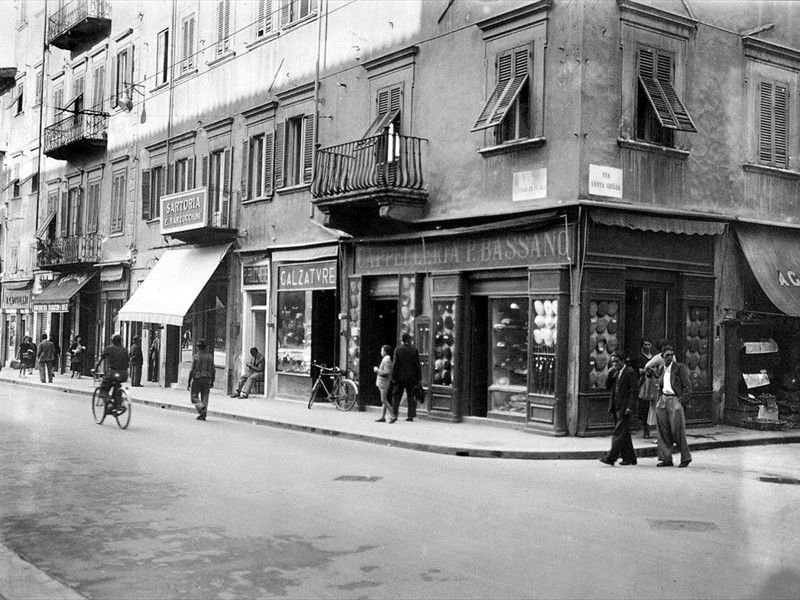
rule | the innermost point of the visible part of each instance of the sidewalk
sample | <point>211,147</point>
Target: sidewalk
<point>473,437</point>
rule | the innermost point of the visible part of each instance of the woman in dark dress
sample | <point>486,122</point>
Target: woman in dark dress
<point>27,356</point>
<point>76,352</point>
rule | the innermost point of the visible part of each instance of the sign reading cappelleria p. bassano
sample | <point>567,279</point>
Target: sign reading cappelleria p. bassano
<point>184,211</point>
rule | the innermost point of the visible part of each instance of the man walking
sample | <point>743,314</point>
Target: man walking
<point>675,386</point>
<point>624,385</point>
<point>201,379</point>
<point>137,360</point>
<point>46,355</point>
<point>255,372</point>
<point>406,375</point>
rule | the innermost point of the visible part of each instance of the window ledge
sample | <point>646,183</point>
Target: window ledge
<point>159,87</point>
<point>299,21</point>
<point>186,75</point>
<point>293,188</point>
<point>646,147</point>
<point>153,221</point>
<point>116,234</point>
<point>513,146</point>
<point>765,170</point>
<point>268,37</point>
<point>258,200</point>
<point>222,58</point>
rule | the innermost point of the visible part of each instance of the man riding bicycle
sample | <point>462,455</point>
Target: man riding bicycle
<point>116,358</point>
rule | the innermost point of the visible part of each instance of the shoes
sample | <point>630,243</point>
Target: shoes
<point>243,396</point>
<point>381,420</point>
<point>685,463</point>
<point>626,463</point>
<point>236,395</point>
<point>201,417</point>
<point>410,419</point>
<point>665,464</point>
<point>605,461</point>
<point>393,419</point>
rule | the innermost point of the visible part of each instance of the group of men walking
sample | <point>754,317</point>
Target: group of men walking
<point>674,388</point>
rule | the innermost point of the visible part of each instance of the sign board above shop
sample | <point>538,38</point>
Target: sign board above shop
<point>307,276</point>
<point>184,211</point>
<point>16,299</point>
<point>540,247</point>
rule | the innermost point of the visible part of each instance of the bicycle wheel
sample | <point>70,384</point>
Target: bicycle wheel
<point>313,393</point>
<point>344,394</point>
<point>98,407</point>
<point>124,419</point>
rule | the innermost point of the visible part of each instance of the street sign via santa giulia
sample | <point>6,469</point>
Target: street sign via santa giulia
<point>184,211</point>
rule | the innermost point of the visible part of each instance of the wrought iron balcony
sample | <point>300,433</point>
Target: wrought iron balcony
<point>383,172</point>
<point>79,23</point>
<point>78,134</point>
<point>62,253</point>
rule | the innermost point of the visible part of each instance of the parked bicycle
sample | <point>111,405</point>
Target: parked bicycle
<point>116,403</point>
<point>337,389</point>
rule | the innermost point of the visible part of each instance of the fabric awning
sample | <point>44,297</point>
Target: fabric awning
<point>56,296</point>
<point>305,254</point>
<point>774,256</point>
<point>112,273</point>
<point>169,291</point>
<point>19,284</point>
<point>648,222</point>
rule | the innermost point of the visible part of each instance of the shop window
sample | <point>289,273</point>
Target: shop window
<point>294,332</point>
<point>772,111</point>
<point>603,340</point>
<point>444,342</point>
<point>697,355</point>
<point>353,338</point>
<point>508,387</point>
<point>659,110</point>
<point>508,107</point>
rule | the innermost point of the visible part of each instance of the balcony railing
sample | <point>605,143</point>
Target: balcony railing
<point>383,161</point>
<point>85,127</point>
<point>86,17</point>
<point>70,250</point>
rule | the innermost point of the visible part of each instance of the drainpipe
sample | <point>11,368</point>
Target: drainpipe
<point>41,117</point>
<point>315,141</point>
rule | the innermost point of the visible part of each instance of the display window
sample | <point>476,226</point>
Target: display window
<point>509,384</point>
<point>444,342</point>
<point>545,335</point>
<point>603,340</point>
<point>294,332</point>
<point>697,345</point>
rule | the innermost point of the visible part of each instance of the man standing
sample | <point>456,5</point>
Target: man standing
<point>201,379</point>
<point>46,355</point>
<point>255,372</point>
<point>675,386</point>
<point>624,386</point>
<point>154,357</point>
<point>406,375</point>
<point>137,360</point>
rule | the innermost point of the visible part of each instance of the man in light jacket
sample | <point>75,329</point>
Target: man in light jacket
<point>675,386</point>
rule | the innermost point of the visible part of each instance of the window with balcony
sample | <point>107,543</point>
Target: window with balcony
<point>508,108</point>
<point>296,10</point>
<point>153,182</point>
<point>162,58</point>
<point>772,115</point>
<point>76,212</point>
<point>118,198</point>
<point>183,173</point>
<point>294,151</point>
<point>659,109</point>
<point>187,45</point>
<point>257,170</point>
<point>223,27</point>
<point>92,205</point>
<point>58,104</point>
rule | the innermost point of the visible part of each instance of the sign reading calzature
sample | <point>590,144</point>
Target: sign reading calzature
<point>605,181</point>
<point>184,211</point>
<point>307,276</point>
<point>529,185</point>
<point>519,249</point>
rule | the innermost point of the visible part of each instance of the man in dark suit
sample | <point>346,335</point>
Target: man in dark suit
<point>624,385</point>
<point>675,387</point>
<point>406,375</point>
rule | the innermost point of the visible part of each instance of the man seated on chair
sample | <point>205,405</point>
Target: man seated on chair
<point>116,357</point>
<point>255,372</point>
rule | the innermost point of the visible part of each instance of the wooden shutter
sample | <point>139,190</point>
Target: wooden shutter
<point>246,173</point>
<point>226,187</point>
<point>64,214</point>
<point>279,146</point>
<point>204,172</point>
<point>264,17</point>
<point>655,73</point>
<point>308,148</point>
<point>773,122</point>
<point>286,7</point>
<point>99,88</point>
<point>388,104</point>
<point>190,173</point>
<point>512,73</point>
<point>114,82</point>
<point>269,145</point>
<point>79,216</point>
<point>161,55</point>
<point>146,209</point>
<point>171,178</point>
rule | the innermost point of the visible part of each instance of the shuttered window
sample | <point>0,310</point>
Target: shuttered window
<point>257,169</point>
<point>187,44</point>
<point>388,102</point>
<point>217,174</point>
<point>162,57</point>
<point>99,88</point>
<point>773,123</point>
<point>223,26</point>
<point>264,18</point>
<point>118,197</point>
<point>294,10</point>
<point>510,96</point>
<point>655,77</point>
<point>92,205</point>
<point>294,151</point>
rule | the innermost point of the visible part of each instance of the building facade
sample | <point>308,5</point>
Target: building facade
<point>524,187</point>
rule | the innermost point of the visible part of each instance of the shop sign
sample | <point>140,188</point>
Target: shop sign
<point>520,249</point>
<point>184,211</point>
<point>529,185</point>
<point>605,181</point>
<point>256,275</point>
<point>307,276</point>
<point>16,299</point>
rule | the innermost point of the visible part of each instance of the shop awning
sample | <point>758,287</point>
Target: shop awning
<point>56,296</point>
<point>648,222</point>
<point>774,256</point>
<point>18,284</point>
<point>112,273</point>
<point>169,291</point>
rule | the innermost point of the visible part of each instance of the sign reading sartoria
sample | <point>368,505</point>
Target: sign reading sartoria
<point>184,211</point>
<point>518,249</point>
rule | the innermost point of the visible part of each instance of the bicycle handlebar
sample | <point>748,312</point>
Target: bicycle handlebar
<point>325,368</point>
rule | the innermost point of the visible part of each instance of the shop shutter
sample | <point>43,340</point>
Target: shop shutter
<point>279,145</point>
<point>146,210</point>
<point>269,145</point>
<point>308,148</point>
<point>246,174</point>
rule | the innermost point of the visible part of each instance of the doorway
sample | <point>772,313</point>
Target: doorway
<point>477,372</point>
<point>324,327</point>
<point>648,315</point>
<point>381,329</point>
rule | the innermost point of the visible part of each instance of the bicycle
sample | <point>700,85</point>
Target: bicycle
<point>117,404</point>
<point>342,391</point>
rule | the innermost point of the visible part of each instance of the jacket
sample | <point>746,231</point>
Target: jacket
<point>405,365</point>
<point>135,354</point>
<point>202,367</point>
<point>624,396</point>
<point>46,351</point>
<point>680,380</point>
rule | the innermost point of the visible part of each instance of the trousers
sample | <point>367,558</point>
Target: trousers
<point>397,397</point>
<point>621,443</point>
<point>671,426</point>
<point>199,394</point>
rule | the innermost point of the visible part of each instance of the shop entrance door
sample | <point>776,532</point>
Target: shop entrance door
<point>477,372</point>
<point>173,356</point>
<point>650,314</point>
<point>324,327</point>
<point>381,329</point>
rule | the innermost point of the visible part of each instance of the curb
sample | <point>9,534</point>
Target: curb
<point>434,448</point>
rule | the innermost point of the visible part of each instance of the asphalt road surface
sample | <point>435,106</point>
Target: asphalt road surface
<point>176,508</point>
